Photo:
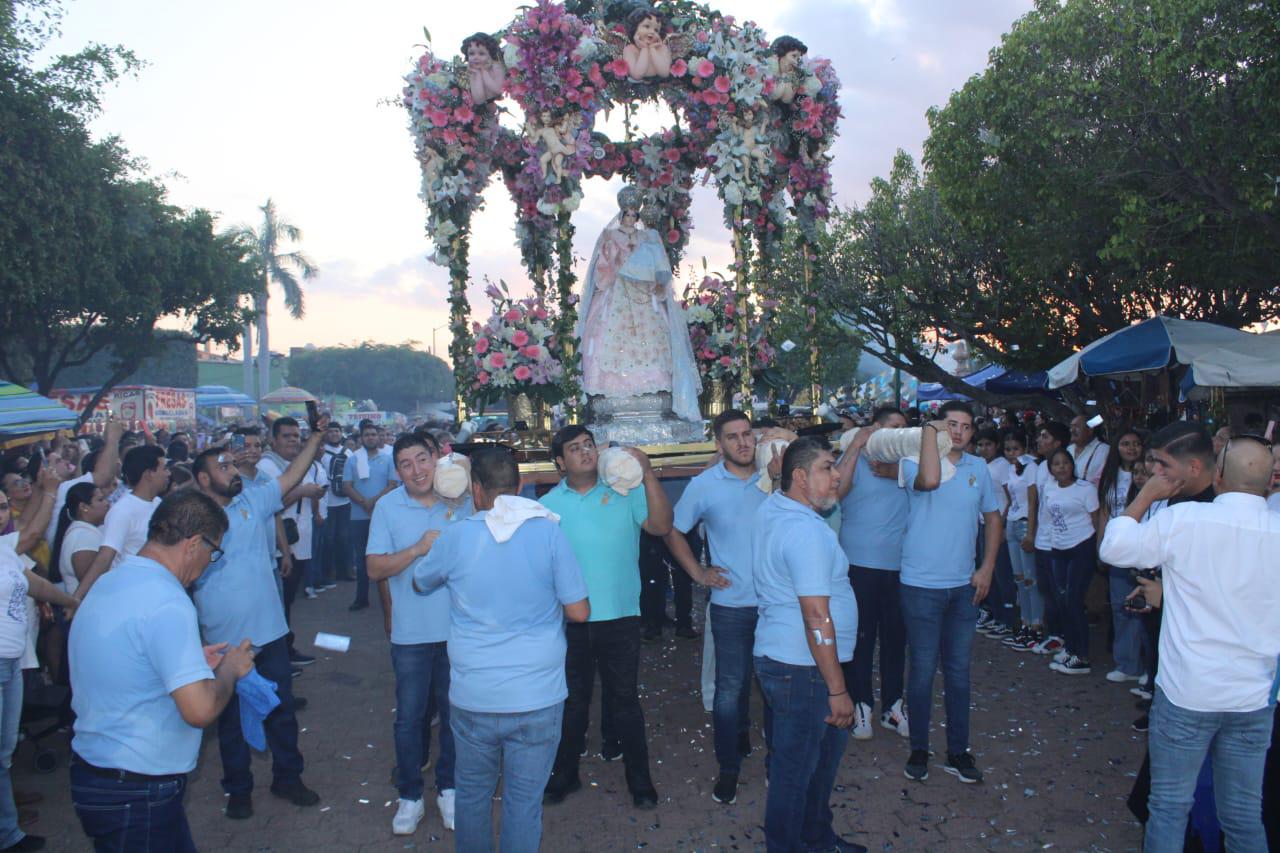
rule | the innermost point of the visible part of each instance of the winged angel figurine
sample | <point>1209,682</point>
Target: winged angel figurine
<point>649,46</point>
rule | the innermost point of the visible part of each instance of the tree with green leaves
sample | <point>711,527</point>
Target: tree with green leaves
<point>397,377</point>
<point>91,254</point>
<point>1122,154</point>
<point>274,265</point>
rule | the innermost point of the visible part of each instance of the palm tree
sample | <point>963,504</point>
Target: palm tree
<point>272,265</point>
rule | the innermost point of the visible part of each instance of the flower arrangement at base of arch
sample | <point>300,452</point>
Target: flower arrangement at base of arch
<point>516,350</point>
<point>711,311</point>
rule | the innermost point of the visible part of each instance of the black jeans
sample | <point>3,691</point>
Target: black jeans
<point>291,585</point>
<point>657,569</point>
<point>879,613</point>
<point>281,726</point>
<point>360,541</point>
<point>335,541</point>
<point>612,648</point>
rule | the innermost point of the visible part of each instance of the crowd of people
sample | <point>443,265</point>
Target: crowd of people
<point>166,568</point>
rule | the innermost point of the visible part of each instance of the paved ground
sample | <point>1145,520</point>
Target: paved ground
<point>1058,754</point>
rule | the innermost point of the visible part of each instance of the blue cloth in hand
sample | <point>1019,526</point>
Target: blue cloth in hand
<point>257,699</point>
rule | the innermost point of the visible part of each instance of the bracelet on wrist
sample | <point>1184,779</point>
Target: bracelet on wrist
<point>844,692</point>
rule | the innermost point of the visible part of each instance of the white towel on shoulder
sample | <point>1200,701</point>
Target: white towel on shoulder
<point>511,511</point>
<point>361,459</point>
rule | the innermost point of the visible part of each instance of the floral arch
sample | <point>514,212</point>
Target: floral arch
<point>758,117</point>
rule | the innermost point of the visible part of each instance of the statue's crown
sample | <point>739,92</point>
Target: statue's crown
<point>630,198</point>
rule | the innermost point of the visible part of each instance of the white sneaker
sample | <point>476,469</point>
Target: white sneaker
<point>309,591</point>
<point>407,818</point>
<point>1143,680</point>
<point>1141,692</point>
<point>1119,676</point>
<point>861,721</point>
<point>445,802</point>
<point>895,719</point>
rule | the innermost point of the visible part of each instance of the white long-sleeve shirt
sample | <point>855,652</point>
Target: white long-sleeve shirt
<point>1221,561</point>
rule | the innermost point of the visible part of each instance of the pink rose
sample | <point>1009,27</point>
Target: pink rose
<point>439,118</point>
<point>704,37</point>
<point>520,338</point>
<point>464,114</point>
<point>522,373</point>
<point>705,68</point>
<point>722,83</point>
<point>679,68</point>
<point>540,313</point>
<point>673,236</point>
<point>533,351</point>
<point>482,378</point>
<point>512,315</point>
<point>482,345</point>
<point>497,360</point>
<point>725,361</point>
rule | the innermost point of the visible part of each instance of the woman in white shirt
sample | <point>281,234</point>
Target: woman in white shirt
<point>1113,497</point>
<point>1068,511</point>
<point>78,535</point>
<point>1021,474</point>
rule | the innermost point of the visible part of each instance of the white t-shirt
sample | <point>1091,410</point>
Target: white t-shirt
<point>1068,513</point>
<point>1041,479</point>
<point>81,536</point>
<point>59,502</point>
<point>125,529</point>
<point>13,593</point>
<point>1118,495</point>
<point>1017,485</point>
<point>1000,470</point>
<point>1273,502</point>
<point>333,497</point>
<point>299,511</point>
<point>1090,460</point>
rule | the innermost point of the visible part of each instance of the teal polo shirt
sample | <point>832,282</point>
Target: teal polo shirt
<point>398,522</point>
<point>603,527</point>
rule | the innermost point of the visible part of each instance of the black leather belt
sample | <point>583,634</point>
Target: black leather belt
<point>121,775</point>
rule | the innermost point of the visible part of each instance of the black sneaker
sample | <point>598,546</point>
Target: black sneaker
<point>239,807</point>
<point>726,790</point>
<point>610,751</point>
<point>1142,723</point>
<point>917,765</point>
<point>299,702</point>
<point>558,788</point>
<point>651,635</point>
<point>299,659</point>
<point>963,767</point>
<point>645,798</point>
<point>1073,665</point>
<point>358,605</point>
<point>295,792</point>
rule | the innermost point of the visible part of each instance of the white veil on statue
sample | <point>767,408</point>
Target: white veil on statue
<point>686,385</point>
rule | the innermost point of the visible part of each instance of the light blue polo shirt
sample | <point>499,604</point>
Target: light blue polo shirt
<point>381,472</point>
<point>604,529</point>
<point>237,596</point>
<point>873,520</point>
<point>942,525</point>
<point>398,522</point>
<point>795,553</point>
<point>722,502</point>
<point>506,633</point>
<point>133,642</point>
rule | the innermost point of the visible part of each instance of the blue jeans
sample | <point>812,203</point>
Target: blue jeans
<point>131,815</point>
<point>422,674</point>
<point>879,613</point>
<point>804,758</point>
<point>1178,742</point>
<point>360,541</point>
<point>939,625</point>
<point>1030,603</point>
<point>734,631</point>
<point>1126,647</point>
<point>521,747</point>
<point>1072,573</point>
<point>10,714</point>
<point>335,542</point>
<point>281,725</point>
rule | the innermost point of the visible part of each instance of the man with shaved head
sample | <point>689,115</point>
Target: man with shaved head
<point>1220,640</point>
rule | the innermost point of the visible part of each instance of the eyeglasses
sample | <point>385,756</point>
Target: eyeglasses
<point>215,553</point>
<point>1244,436</point>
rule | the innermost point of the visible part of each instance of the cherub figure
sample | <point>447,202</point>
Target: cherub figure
<point>788,50</point>
<point>648,55</point>
<point>557,139</point>
<point>431,162</point>
<point>487,73</point>
<point>755,144</point>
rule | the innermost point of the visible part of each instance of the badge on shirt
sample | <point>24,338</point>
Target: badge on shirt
<point>972,481</point>
<point>604,500</point>
<point>244,513</point>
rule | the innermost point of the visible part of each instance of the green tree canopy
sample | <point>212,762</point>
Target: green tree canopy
<point>397,377</point>
<point>91,254</point>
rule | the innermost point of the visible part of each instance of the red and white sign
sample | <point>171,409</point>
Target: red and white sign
<point>136,405</point>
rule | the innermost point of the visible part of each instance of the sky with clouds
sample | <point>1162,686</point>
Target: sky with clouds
<point>291,99</point>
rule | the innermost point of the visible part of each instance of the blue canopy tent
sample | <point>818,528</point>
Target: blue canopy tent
<point>26,416</point>
<point>1013,382</point>
<point>211,396</point>
<point>978,379</point>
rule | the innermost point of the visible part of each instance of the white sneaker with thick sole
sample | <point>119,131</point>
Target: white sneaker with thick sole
<point>445,803</point>
<point>861,721</point>
<point>1143,680</point>
<point>1119,676</point>
<point>895,719</point>
<point>407,818</point>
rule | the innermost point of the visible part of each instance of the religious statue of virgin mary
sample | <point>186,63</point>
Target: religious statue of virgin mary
<point>636,353</point>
